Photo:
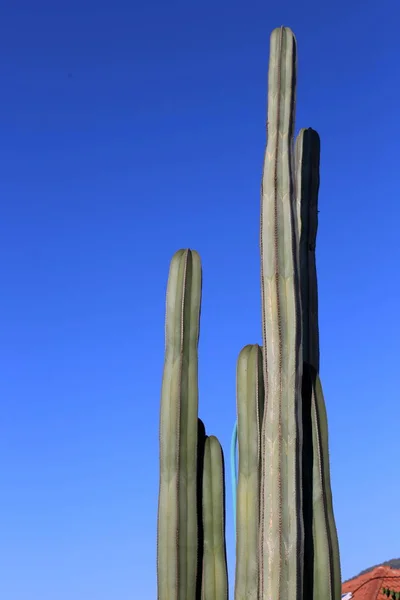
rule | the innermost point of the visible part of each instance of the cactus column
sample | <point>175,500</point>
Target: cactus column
<point>322,574</point>
<point>250,408</point>
<point>177,543</point>
<point>201,442</point>
<point>322,577</point>
<point>281,528</point>
<point>215,575</point>
<point>307,158</point>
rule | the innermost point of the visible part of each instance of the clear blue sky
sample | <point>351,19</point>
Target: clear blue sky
<point>129,130</point>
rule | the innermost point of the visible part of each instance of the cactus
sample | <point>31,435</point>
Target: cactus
<point>215,575</point>
<point>250,408</point>
<point>286,540</point>
<point>307,151</point>
<point>201,443</point>
<point>327,574</point>
<point>307,157</point>
<point>234,470</point>
<point>177,546</point>
<point>281,527</point>
<point>322,577</point>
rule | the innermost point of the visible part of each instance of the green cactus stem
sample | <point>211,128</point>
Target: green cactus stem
<point>177,543</point>
<point>234,471</point>
<point>322,577</point>
<point>322,551</point>
<point>215,575</point>
<point>307,158</point>
<point>281,524</point>
<point>250,408</point>
<point>201,442</point>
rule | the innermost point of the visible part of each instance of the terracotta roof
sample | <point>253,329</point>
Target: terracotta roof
<point>369,585</point>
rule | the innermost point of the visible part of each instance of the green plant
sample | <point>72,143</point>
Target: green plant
<point>322,577</point>
<point>177,547</point>
<point>250,409</point>
<point>214,571</point>
<point>287,547</point>
<point>391,593</point>
<point>281,526</point>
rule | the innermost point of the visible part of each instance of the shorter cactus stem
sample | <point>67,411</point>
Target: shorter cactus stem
<point>177,545</point>
<point>215,574</point>
<point>250,408</point>
<point>322,561</point>
<point>234,471</point>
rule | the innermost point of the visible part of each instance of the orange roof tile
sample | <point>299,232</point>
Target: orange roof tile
<point>369,585</point>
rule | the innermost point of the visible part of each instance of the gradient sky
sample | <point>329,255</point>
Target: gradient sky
<point>129,130</point>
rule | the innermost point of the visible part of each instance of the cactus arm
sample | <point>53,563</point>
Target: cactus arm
<point>307,158</point>
<point>281,536</point>
<point>234,471</point>
<point>177,512</point>
<point>215,579</point>
<point>250,406</point>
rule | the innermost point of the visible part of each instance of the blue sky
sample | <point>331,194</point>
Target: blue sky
<point>130,130</point>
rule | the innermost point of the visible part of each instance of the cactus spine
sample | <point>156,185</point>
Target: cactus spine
<point>250,408</point>
<point>281,529</point>
<point>215,578</point>
<point>177,546</point>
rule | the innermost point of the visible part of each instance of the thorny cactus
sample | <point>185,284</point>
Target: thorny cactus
<point>177,547</point>
<point>322,577</point>
<point>214,574</point>
<point>250,408</point>
<point>286,539</point>
<point>281,523</point>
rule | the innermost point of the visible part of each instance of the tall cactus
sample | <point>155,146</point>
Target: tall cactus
<point>322,577</point>
<point>281,527</point>
<point>177,545</point>
<point>307,158</point>
<point>215,575</point>
<point>250,408</point>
